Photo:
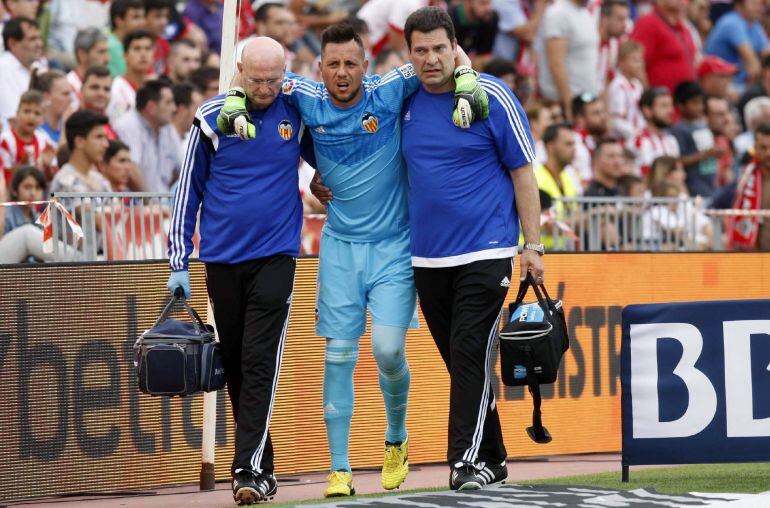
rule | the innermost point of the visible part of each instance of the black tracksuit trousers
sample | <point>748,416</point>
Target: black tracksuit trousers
<point>251,302</point>
<point>462,306</point>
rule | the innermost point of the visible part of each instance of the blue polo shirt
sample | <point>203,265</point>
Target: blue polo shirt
<point>730,32</point>
<point>461,200</point>
<point>247,191</point>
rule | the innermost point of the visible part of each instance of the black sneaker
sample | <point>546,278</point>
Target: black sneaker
<point>492,473</point>
<point>245,490</point>
<point>267,486</point>
<point>465,477</point>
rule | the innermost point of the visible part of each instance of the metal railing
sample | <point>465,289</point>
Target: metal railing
<point>134,226</point>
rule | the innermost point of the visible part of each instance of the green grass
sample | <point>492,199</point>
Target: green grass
<point>749,478</point>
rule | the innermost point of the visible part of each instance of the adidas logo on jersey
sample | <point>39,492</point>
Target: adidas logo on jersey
<point>506,282</point>
<point>320,129</point>
<point>408,116</point>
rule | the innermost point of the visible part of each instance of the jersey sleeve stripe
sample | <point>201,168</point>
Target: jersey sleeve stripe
<point>180,204</point>
<point>513,117</point>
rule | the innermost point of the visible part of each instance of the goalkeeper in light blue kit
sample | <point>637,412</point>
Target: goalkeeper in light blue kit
<point>364,260</point>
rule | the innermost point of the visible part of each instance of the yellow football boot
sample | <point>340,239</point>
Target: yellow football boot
<point>395,467</point>
<point>340,484</point>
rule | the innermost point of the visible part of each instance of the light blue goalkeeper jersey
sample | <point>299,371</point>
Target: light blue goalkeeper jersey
<point>358,153</point>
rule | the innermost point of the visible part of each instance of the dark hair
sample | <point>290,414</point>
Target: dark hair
<point>150,92</point>
<point>626,182</point>
<point>607,6</point>
<point>766,62</point>
<point>358,24</point>
<point>13,30</point>
<point>119,9</point>
<point>552,131</point>
<point>607,140</point>
<point>579,103</point>
<point>183,42</point>
<point>113,148</point>
<point>686,91</point>
<point>500,67</point>
<point>23,172</point>
<point>426,20</point>
<point>43,81</point>
<point>263,11</point>
<point>763,128</point>
<point>31,97</point>
<point>340,33</point>
<point>203,76</point>
<point>183,93</point>
<point>648,96</point>
<point>100,71</point>
<point>136,35</point>
<point>156,5</point>
<point>80,124</point>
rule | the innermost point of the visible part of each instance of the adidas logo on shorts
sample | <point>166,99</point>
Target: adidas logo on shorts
<point>506,283</point>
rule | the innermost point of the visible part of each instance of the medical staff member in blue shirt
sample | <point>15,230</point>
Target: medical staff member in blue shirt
<point>469,188</point>
<point>364,261</point>
<point>249,247</point>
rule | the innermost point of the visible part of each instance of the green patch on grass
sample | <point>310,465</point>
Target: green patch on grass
<point>749,478</point>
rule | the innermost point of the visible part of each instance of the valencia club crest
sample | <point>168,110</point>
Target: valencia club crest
<point>370,123</point>
<point>285,129</point>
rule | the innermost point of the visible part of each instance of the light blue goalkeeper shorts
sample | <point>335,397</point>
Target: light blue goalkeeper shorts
<point>355,276</point>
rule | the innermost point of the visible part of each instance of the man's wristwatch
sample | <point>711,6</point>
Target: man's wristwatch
<point>537,247</point>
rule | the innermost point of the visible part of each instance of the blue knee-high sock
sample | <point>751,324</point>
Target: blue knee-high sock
<point>389,347</point>
<point>341,357</point>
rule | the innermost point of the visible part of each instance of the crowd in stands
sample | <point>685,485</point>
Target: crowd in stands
<point>660,98</point>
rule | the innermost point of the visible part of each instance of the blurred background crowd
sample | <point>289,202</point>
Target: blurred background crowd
<point>645,99</point>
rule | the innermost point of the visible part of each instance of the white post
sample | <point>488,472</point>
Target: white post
<point>229,36</point>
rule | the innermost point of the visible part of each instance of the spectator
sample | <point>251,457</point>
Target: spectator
<point>25,144</point>
<point>590,125</point>
<point>69,16</point>
<point>276,21</point>
<point>17,9</point>
<point>755,113</point>
<point>386,60</point>
<point>206,79</point>
<point>117,166</point>
<point>739,39</point>
<point>149,133</point>
<point>654,140</point>
<point>540,119</point>
<point>91,48</point>
<point>187,98</point>
<point>553,179</point>
<point>629,162</point>
<point>518,26</point>
<point>696,141</point>
<point>758,89</point>
<point>568,50</point>
<point>126,16</point>
<point>157,14</point>
<point>625,90</point>
<point>669,51</point>
<point>24,46</point>
<point>87,143</point>
<point>718,117</point>
<point>140,46</point>
<point>697,22</point>
<point>57,101</point>
<point>608,168</point>
<point>184,59</point>
<point>715,75</point>
<point>385,19</point>
<point>207,14</point>
<point>753,193</point>
<point>613,21</point>
<point>475,23</point>
<point>632,186</point>
<point>668,169</point>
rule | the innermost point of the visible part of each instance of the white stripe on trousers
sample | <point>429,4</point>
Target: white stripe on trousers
<point>256,459</point>
<point>471,454</point>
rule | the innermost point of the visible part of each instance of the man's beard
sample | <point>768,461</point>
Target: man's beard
<point>350,98</point>
<point>660,124</point>
<point>598,132</point>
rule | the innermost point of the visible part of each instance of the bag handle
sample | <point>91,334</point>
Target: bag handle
<point>178,296</point>
<point>523,287</point>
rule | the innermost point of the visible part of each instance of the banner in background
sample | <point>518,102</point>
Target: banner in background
<point>70,402</point>
<point>696,386</point>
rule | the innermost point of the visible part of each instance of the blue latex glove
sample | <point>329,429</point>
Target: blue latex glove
<point>180,279</point>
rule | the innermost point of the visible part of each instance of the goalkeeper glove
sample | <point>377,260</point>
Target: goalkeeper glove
<point>233,118</point>
<point>471,101</point>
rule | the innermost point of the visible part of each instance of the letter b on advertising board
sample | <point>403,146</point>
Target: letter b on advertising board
<point>696,382</point>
